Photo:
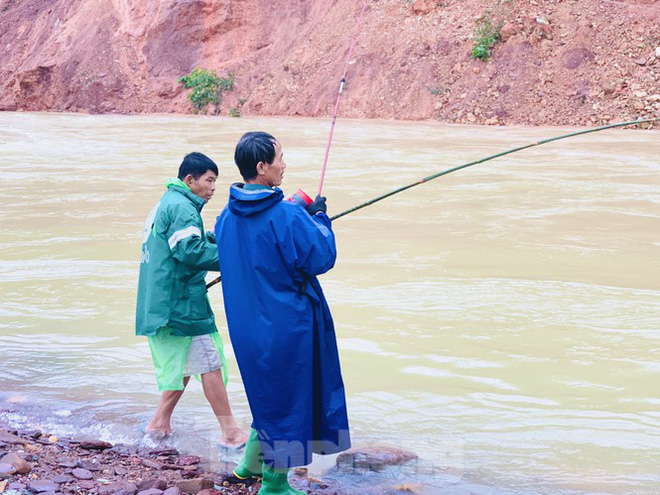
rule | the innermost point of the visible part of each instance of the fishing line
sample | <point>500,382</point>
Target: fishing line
<point>470,164</point>
<point>339,93</point>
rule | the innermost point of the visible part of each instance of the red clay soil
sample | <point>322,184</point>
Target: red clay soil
<point>559,62</point>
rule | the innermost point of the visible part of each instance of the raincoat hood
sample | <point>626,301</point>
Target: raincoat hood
<point>245,202</point>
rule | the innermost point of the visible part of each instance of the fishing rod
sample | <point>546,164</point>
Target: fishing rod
<point>299,196</point>
<point>341,89</point>
<point>488,158</point>
<point>470,164</point>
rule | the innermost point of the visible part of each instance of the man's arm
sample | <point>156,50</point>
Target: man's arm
<point>314,243</point>
<point>189,245</point>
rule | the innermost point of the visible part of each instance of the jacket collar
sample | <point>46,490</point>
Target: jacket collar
<point>177,185</point>
<point>246,202</point>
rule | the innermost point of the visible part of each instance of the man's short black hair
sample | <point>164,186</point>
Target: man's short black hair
<point>252,148</point>
<point>196,164</point>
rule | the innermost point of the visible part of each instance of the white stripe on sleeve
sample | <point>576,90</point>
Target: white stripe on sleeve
<point>180,235</point>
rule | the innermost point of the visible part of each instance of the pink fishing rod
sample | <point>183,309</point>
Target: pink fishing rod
<point>341,89</point>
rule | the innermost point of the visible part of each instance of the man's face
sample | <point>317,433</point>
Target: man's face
<point>204,187</point>
<point>274,172</point>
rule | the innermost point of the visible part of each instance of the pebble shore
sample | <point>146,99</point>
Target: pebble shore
<point>32,461</point>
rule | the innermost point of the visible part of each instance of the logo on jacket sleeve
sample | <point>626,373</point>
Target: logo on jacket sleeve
<point>144,255</point>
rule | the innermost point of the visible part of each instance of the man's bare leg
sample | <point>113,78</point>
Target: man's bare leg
<point>216,394</point>
<point>160,424</point>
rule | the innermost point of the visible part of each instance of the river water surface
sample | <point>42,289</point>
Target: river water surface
<point>502,322</point>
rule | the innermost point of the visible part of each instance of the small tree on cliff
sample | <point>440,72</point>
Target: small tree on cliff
<point>207,88</point>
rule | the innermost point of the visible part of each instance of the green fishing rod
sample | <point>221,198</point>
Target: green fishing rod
<point>482,160</point>
<point>470,164</point>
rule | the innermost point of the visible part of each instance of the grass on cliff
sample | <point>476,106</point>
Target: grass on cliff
<point>207,88</point>
<point>486,37</point>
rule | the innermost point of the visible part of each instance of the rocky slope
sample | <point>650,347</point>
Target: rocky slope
<point>559,62</point>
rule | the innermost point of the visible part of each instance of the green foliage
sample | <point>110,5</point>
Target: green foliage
<point>227,83</point>
<point>487,35</point>
<point>207,88</point>
<point>234,112</point>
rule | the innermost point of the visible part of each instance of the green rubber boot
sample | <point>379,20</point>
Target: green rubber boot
<point>275,483</point>
<point>250,465</point>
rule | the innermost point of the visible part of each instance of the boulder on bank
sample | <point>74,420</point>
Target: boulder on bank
<point>9,438</point>
<point>152,483</point>
<point>20,464</point>
<point>6,471</point>
<point>119,488</point>
<point>194,485</point>
<point>40,486</point>
<point>95,445</point>
<point>373,458</point>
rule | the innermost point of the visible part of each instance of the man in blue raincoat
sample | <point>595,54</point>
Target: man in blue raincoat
<point>271,252</point>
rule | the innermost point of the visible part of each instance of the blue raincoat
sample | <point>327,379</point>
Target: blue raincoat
<point>280,325</point>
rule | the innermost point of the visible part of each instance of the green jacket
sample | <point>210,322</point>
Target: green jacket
<point>176,255</point>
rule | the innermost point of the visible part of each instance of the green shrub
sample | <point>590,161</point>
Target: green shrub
<point>227,83</point>
<point>234,112</point>
<point>207,88</point>
<point>487,35</point>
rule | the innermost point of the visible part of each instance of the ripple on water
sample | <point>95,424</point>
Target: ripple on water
<point>53,269</point>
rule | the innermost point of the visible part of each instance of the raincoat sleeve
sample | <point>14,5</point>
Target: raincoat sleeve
<point>314,242</point>
<point>189,244</point>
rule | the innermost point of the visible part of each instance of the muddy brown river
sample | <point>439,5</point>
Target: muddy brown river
<point>502,322</point>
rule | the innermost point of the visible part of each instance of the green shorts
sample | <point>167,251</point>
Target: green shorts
<point>170,354</point>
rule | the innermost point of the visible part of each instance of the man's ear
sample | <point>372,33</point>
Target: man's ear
<point>261,168</point>
<point>188,179</point>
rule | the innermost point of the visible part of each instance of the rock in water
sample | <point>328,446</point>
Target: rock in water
<point>95,445</point>
<point>188,460</point>
<point>375,458</point>
<point>165,452</point>
<point>34,434</point>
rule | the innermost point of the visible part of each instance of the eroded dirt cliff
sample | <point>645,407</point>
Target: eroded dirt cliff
<point>559,62</point>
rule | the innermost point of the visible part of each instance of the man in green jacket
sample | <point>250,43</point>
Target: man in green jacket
<point>173,310</point>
